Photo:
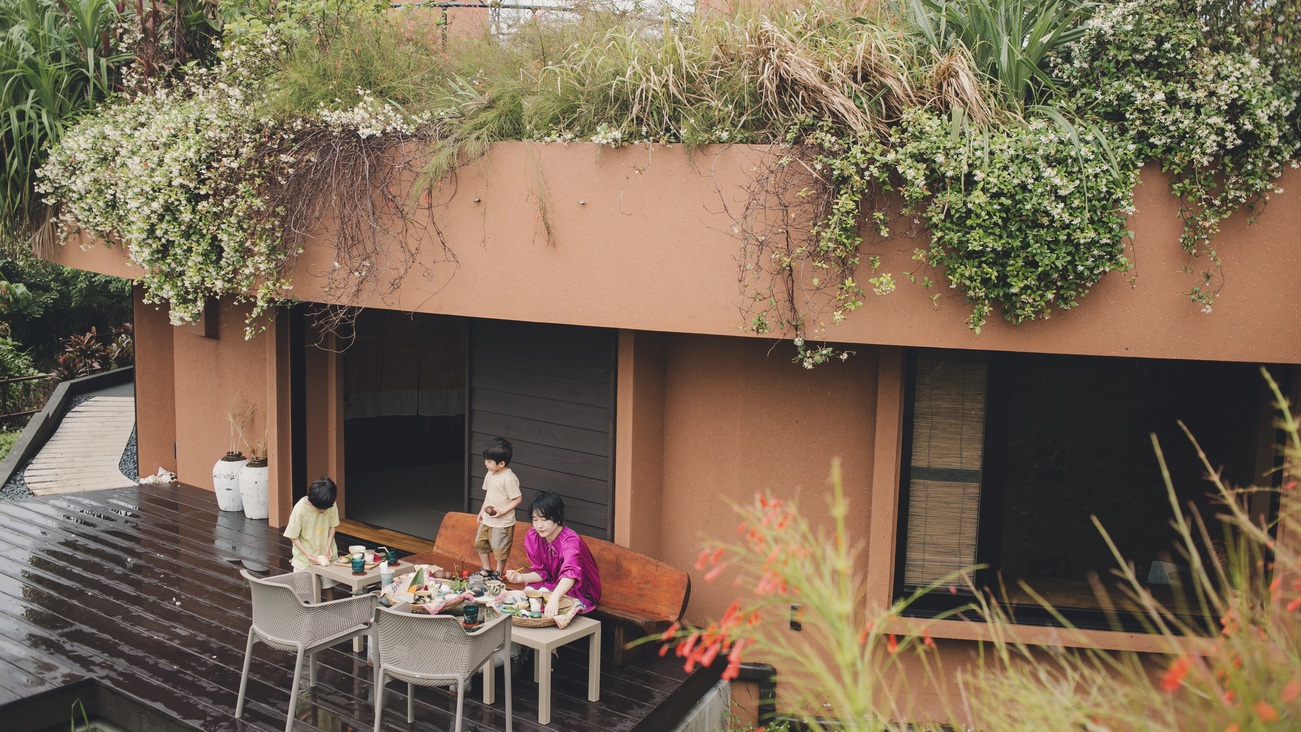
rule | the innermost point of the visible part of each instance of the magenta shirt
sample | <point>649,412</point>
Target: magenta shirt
<point>566,556</point>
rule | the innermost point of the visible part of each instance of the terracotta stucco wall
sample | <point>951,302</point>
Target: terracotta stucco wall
<point>209,374</point>
<point>737,421</point>
<point>643,240</point>
<point>155,388</point>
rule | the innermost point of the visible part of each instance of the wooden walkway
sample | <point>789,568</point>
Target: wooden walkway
<point>139,590</point>
<point>83,454</point>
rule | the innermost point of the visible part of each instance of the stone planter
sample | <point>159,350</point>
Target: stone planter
<point>225,481</point>
<point>253,488</point>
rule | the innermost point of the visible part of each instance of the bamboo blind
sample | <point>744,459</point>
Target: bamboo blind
<point>947,456</point>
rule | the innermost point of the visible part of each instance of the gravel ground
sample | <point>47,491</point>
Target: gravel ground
<point>16,488</point>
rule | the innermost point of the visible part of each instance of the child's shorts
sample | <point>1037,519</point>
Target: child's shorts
<point>495,540</point>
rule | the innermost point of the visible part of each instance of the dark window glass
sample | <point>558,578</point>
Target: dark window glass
<point>1011,456</point>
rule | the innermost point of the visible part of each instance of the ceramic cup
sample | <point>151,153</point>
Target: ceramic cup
<point>471,614</point>
<point>356,549</point>
<point>493,587</point>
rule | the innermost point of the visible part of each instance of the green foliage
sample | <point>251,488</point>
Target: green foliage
<point>1009,41</point>
<point>1204,106</point>
<point>1023,218</point>
<point>176,175</point>
<point>61,301</point>
<point>1011,129</point>
<point>54,64</point>
<point>7,440</point>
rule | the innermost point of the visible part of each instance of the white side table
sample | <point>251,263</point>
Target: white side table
<point>543,640</point>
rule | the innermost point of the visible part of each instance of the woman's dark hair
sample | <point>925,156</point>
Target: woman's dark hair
<point>549,506</point>
<point>322,493</point>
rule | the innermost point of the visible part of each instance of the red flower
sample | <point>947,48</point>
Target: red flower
<point>711,574</point>
<point>1291,690</point>
<point>1266,712</point>
<point>892,643</point>
<point>1174,676</point>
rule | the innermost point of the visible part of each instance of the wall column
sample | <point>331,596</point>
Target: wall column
<point>887,449</point>
<point>639,442</point>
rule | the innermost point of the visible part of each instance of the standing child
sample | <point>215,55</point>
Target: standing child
<point>496,518</point>
<point>311,527</point>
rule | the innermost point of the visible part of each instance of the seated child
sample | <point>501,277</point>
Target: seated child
<point>560,559</point>
<point>496,518</point>
<point>311,527</point>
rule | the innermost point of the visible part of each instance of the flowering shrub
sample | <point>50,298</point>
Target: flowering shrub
<point>1206,107</point>
<point>1023,217</point>
<point>176,176</point>
<point>1234,664</point>
<point>842,659</point>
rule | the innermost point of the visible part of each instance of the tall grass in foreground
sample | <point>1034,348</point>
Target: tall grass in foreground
<point>1245,674</point>
<point>1245,677</point>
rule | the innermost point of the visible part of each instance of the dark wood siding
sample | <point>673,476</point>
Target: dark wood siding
<point>549,389</point>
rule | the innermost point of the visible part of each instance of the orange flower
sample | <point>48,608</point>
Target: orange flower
<point>1266,712</point>
<point>1232,728</point>
<point>1174,676</point>
<point>711,574</point>
<point>892,643</point>
<point>1291,691</point>
<point>927,640</point>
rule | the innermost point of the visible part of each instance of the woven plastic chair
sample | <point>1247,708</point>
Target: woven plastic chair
<point>434,650</point>
<point>284,618</point>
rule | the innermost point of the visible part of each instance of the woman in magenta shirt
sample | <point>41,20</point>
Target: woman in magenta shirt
<point>561,561</point>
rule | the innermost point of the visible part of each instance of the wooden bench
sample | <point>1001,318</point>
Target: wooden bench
<point>640,596</point>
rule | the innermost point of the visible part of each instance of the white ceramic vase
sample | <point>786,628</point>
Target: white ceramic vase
<point>225,481</point>
<point>253,488</point>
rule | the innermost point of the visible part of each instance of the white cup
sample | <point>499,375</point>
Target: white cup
<point>356,549</point>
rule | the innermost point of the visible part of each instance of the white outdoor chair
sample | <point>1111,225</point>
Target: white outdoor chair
<point>284,618</point>
<point>434,650</point>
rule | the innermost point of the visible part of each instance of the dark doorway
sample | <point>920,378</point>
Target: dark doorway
<point>404,420</point>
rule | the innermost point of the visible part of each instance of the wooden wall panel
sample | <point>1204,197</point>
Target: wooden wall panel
<point>549,389</point>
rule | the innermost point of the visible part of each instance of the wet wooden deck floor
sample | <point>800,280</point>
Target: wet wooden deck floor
<point>139,590</point>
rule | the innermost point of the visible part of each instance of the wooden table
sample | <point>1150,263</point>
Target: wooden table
<point>543,640</point>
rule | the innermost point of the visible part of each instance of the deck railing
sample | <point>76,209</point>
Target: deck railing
<point>22,396</point>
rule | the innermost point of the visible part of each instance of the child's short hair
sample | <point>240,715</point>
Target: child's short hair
<point>322,493</point>
<point>549,506</point>
<point>498,450</point>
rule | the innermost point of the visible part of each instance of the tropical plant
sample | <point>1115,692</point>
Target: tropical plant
<point>55,61</point>
<point>1009,41</point>
<point>58,60</point>
<point>60,300</point>
<point>83,355</point>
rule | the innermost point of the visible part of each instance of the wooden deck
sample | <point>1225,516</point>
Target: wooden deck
<point>137,592</point>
